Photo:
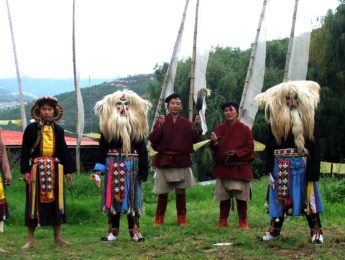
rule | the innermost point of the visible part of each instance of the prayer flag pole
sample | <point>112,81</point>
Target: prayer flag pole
<point>19,81</point>
<point>192,77</point>
<point>291,40</point>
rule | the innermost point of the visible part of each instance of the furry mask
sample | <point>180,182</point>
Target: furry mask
<point>123,116</point>
<point>290,106</point>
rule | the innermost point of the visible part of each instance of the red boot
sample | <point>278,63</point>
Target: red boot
<point>223,222</point>
<point>181,208</point>
<point>161,207</point>
<point>224,209</point>
<point>242,214</point>
<point>182,220</point>
<point>159,220</point>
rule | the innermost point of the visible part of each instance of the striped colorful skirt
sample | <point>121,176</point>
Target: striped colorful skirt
<point>122,192</point>
<point>291,193</point>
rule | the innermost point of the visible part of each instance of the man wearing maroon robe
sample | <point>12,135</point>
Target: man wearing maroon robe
<point>232,145</point>
<point>173,137</point>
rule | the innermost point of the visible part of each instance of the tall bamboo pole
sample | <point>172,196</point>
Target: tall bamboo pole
<point>76,91</point>
<point>192,76</point>
<point>173,56</point>
<point>252,58</point>
<point>291,40</point>
<point>19,81</point>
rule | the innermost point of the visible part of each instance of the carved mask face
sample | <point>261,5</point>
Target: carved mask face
<point>122,106</point>
<point>291,100</point>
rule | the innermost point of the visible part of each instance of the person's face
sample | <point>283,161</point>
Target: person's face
<point>230,114</point>
<point>175,106</point>
<point>46,112</point>
<point>122,106</point>
<point>291,100</point>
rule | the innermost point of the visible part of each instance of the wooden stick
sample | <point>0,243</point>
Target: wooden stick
<point>192,76</point>
<point>168,73</point>
<point>252,59</point>
<point>19,81</point>
<point>291,40</point>
<point>76,91</point>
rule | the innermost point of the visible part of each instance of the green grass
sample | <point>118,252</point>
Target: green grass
<point>86,224</point>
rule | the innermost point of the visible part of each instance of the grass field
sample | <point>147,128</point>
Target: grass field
<point>86,224</point>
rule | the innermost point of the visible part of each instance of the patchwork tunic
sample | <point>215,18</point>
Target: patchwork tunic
<point>46,157</point>
<point>294,188</point>
<point>123,176</point>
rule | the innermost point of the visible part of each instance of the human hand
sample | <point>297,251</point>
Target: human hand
<point>97,177</point>
<point>197,120</point>
<point>27,177</point>
<point>69,178</point>
<point>8,179</point>
<point>161,119</point>
<point>214,136</point>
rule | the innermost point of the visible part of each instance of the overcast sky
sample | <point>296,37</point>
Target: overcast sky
<point>117,38</point>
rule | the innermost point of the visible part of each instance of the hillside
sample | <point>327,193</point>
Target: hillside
<point>91,95</point>
<point>35,87</point>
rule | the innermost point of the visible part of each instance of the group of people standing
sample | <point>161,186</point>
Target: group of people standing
<point>292,159</point>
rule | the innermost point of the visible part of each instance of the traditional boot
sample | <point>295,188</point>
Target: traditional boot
<point>181,208</point>
<point>273,232</point>
<point>242,214</point>
<point>113,230</point>
<point>224,209</point>
<point>162,202</point>
<point>316,233</point>
<point>134,228</point>
<point>135,235</point>
<point>113,235</point>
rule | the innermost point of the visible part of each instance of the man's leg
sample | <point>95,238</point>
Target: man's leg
<point>57,236</point>
<point>113,229</point>
<point>162,202</point>
<point>30,242</point>
<point>134,228</point>
<point>274,229</point>
<point>314,223</point>
<point>181,207</point>
<point>224,210</point>
<point>242,213</point>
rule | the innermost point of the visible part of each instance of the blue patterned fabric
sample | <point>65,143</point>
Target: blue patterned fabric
<point>133,199</point>
<point>297,190</point>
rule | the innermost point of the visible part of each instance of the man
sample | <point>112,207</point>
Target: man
<point>173,137</point>
<point>123,159</point>
<point>44,161</point>
<point>232,145</point>
<point>293,155</point>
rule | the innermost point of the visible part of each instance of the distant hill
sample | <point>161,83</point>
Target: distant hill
<point>35,87</point>
<point>91,95</point>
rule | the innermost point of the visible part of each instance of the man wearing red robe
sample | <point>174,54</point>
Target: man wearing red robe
<point>232,145</point>
<point>173,137</point>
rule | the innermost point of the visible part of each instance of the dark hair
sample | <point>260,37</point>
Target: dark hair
<point>230,104</point>
<point>168,98</point>
<point>49,102</point>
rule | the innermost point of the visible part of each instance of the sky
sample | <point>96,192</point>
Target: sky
<point>117,38</point>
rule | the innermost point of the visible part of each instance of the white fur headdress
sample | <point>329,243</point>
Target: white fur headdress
<point>136,124</point>
<point>277,113</point>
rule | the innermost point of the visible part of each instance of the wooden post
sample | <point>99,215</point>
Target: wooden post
<point>252,59</point>
<point>19,81</point>
<point>192,76</point>
<point>76,92</point>
<point>173,56</point>
<point>291,39</point>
